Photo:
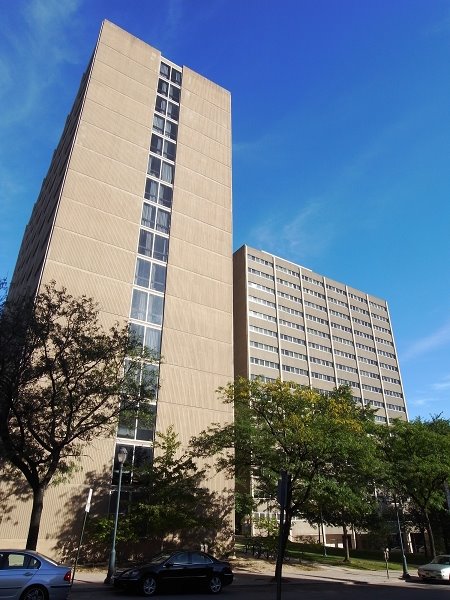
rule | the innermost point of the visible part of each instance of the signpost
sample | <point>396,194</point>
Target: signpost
<point>86,511</point>
<point>283,487</point>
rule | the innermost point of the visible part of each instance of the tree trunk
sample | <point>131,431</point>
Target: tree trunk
<point>346,548</point>
<point>284,540</point>
<point>430,535</point>
<point>35,519</point>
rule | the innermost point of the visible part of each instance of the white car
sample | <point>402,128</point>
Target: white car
<point>438,568</point>
<point>27,575</point>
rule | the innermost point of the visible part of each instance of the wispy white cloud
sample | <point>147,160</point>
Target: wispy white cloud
<point>35,47</point>
<point>440,337</point>
<point>307,234</point>
<point>442,385</point>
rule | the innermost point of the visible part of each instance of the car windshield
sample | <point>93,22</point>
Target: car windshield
<point>159,558</point>
<point>441,560</point>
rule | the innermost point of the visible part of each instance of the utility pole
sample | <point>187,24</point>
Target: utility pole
<point>284,484</point>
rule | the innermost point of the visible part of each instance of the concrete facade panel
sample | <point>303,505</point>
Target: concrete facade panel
<point>193,140</point>
<point>192,121</point>
<point>191,287</point>
<point>85,220</point>
<point>203,210</point>
<point>117,125</point>
<point>125,83</point>
<point>91,255</point>
<point>200,164</point>
<point>202,186</point>
<point>200,261</point>
<point>198,320</point>
<point>106,170</point>
<point>204,108</point>
<point>211,92</point>
<point>119,103</point>
<point>201,234</point>
<point>103,197</point>
<point>128,45</point>
<point>111,146</point>
<point>142,72</point>
<point>208,355</point>
<point>113,296</point>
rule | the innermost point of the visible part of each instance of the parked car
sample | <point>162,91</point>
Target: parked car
<point>176,570</point>
<point>28,575</point>
<point>438,568</point>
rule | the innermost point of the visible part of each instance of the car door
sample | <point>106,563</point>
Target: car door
<point>202,567</point>
<point>176,570</point>
<point>15,573</point>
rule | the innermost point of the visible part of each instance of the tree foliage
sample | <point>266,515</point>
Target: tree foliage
<point>417,459</point>
<point>283,426</point>
<point>171,500</point>
<point>61,376</point>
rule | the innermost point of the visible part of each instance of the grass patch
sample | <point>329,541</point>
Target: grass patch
<point>369,560</point>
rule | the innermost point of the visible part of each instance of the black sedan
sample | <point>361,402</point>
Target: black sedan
<point>177,570</point>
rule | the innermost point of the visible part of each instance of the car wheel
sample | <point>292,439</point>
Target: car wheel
<point>148,585</point>
<point>34,593</point>
<point>215,584</point>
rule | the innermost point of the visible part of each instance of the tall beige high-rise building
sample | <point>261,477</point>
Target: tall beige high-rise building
<point>294,324</point>
<point>135,211</point>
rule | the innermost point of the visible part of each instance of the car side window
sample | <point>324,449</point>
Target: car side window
<point>17,561</point>
<point>32,563</point>
<point>181,558</point>
<point>200,559</point>
<point>3,561</point>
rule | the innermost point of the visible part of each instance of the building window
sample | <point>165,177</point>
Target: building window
<point>167,172</point>
<point>158,193</point>
<point>155,309</point>
<point>154,166</point>
<point>174,93</point>
<point>161,105</point>
<point>158,278</point>
<point>164,70</point>
<point>156,144</point>
<point>163,221</point>
<point>150,275</point>
<point>161,248</point>
<point>173,111</point>
<point>171,130</point>
<point>158,124</point>
<point>176,76</point>
<point>155,218</point>
<point>148,216</point>
<point>139,305</point>
<point>163,87</point>
<point>169,150</point>
<point>145,243</point>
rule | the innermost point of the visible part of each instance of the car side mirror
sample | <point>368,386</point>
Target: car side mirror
<point>169,564</point>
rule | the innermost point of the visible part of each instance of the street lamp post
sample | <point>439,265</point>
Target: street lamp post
<point>121,457</point>
<point>405,574</point>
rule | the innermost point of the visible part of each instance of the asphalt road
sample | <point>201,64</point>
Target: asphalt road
<point>297,590</point>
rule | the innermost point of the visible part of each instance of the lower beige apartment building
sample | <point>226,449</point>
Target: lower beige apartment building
<point>135,211</point>
<point>296,325</point>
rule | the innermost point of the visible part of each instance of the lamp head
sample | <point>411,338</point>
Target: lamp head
<point>122,455</point>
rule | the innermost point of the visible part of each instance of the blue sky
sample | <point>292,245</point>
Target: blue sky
<point>341,137</point>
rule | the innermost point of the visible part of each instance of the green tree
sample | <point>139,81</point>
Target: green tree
<point>61,376</point>
<point>345,496</point>
<point>418,464</point>
<point>284,426</point>
<point>346,500</point>
<point>172,499</point>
